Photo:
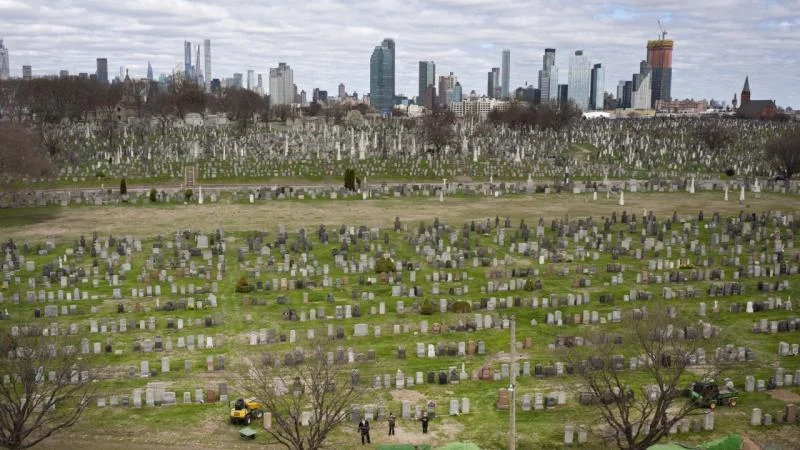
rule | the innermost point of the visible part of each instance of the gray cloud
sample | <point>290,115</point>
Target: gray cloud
<point>717,42</point>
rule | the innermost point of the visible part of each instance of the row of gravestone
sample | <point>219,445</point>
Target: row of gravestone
<point>786,415</point>
<point>212,364</point>
<point>155,394</point>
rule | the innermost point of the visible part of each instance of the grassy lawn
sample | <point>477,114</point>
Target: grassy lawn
<point>205,426</point>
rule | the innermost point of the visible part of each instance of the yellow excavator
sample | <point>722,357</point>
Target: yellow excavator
<point>245,410</point>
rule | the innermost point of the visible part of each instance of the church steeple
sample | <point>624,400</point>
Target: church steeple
<point>745,97</point>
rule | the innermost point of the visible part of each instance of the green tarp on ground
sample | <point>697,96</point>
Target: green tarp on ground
<point>404,447</point>
<point>460,446</point>
<point>726,443</point>
<point>453,446</point>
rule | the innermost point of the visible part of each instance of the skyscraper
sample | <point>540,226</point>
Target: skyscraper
<point>342,92</point>
<point>548,76</point>
<point>260,87</point>
<point>506,74</point>
<point>102,70</point>
<point>496,92</point>
<point>580,79</point>
<point>281,85</point>
<point>597,101</point>
<point>207,59</point>
<point>641,90</point>
<point>197,73</point>
<point>187,60</point>
<point>427,77</point>
<point>490,83</point>
<point>446,83</point>
<point>251,80</point>
<point>5,67</point>
<point>149,71</point>
<point>659,57</point>
<point>27,73</point>
<point>381,76</point>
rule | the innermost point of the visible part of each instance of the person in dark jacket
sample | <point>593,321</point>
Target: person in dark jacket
<point>424,421</point>
<point>363,428</point>
<point>391,424</point>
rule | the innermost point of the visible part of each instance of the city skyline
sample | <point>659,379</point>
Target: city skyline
<point>710,58</point>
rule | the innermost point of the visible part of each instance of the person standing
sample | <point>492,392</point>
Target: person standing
<point>424,421</point>
<point>391,424</point>
<point>363,428</point>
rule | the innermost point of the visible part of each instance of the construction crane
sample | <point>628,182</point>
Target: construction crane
<point>663,31</point>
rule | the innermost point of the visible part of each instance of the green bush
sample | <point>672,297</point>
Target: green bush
<point>188,194</point>
<point>384,265</point>
<point>350,179</point>
<point>462,307</point>
<point>123,187</point>
<point>529,286</point>
<point>242,286</point>
<point>427,308</point>
<point>153,195</point>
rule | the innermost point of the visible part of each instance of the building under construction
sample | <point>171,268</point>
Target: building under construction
<point>659,57</point>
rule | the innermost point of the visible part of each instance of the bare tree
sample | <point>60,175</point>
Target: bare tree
<point>244,106</point>
<point>784,153</point>
<point>437,129</point>
<point>637,419</point>
<point>21,151</point>
<point>43,393</point>
<point>712,135</point>
<point>319,388</point>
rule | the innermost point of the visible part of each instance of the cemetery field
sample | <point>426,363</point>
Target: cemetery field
<point>154,219</point>
<point>150,295</point>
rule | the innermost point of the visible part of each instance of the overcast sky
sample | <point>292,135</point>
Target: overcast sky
<point>717,42</point>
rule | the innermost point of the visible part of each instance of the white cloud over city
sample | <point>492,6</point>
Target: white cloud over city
<point>717,42</point>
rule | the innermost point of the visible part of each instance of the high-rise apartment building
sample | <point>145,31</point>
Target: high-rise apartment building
<point>187,60</point>
<point>207,60</point>
<point>563,94</point>
<point>446,83</point>
<point>490,84</point>
<point>548,77</point>
<point>281,85</point>
<point>580,79</point>
<point>27,73</point>
<point>63,74</point>
<point>102,70</point>
<point>641,91</point>
<point>506,74</point>
<point>596,98</point>
<point>5,67</point>
<point>237,82</point>
<point>381,76</point>
<point>659,57</point>
<point>427,78</point>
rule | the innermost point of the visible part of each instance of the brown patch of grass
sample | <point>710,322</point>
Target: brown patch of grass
<point>143,222</point>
